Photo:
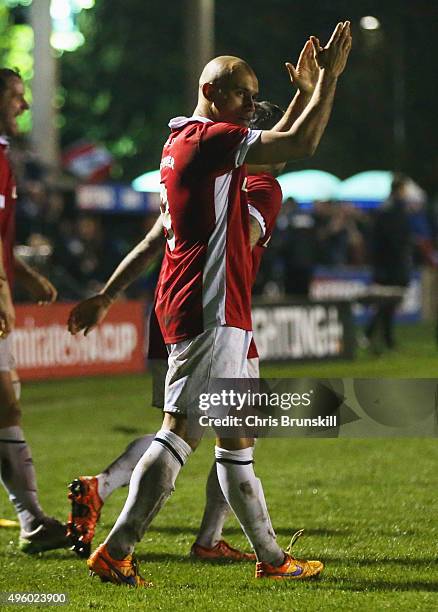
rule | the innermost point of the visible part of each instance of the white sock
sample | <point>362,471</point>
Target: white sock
<point>215,512</point>
<point>152,482</point>
<point>119,473</point>
<point>244,494</point>
<point>18,476</point>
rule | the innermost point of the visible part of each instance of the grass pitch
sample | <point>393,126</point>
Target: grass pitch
<point>369,507</point>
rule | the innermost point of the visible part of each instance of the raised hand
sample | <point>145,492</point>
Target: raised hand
<point>89,313</point>
<point>333,57</point>
<point>305,75</point>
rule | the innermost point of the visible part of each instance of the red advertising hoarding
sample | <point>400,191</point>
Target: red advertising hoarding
<point>44,348</point>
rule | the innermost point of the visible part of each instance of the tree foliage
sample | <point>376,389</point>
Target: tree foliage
<point>16,43</point>
<point>122,87</point>
<point>125,83</point>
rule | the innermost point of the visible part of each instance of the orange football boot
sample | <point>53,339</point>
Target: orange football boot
<point>118,571</point>
<point>222,550</point>
<point>291,568</point>
<point>85,513</point>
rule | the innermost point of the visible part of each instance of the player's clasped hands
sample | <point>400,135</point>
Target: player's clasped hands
<point>313,58</point>
<point>333,57</point>
<point>88,313</point>
<point>305,74</point>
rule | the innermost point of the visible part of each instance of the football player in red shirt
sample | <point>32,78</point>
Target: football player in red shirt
<point>38,531</point>
<point>88,493</point>
<point>203,302</point>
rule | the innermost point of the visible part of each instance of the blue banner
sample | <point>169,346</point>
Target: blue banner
<point>115,198</point>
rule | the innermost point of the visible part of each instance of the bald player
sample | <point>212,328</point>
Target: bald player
<point>89,493</point>
<point>204,298</point>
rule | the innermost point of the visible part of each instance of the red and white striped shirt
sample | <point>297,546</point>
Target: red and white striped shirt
<point>205,280</point>
<point>8,199</point>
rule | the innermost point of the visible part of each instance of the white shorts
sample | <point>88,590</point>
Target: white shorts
<point>7,361</point>
<point>158,369</point>
<point>216,353</point>
<point>254,367</point>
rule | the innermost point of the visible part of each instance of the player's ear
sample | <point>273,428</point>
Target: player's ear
<point>208,90</point>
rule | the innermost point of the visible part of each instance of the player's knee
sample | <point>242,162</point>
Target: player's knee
<point>235,443</point>
<point>177,424</point>
<point>192,442</point>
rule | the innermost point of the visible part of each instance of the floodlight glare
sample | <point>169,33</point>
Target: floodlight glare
<point>85,4</point>
<point>66,35</point>
<point>60,9</point>
<point>369,23</point>
<point>66,41</point>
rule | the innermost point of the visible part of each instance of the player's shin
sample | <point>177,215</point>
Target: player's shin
<point>215,512</point>
<point>119,472</point>
<point>244,494</point>
<point>152,482</point>
<point>18,476</point>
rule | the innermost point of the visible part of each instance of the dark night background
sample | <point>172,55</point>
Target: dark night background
<point>125,83</point>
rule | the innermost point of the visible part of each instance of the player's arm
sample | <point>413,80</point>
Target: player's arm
<point>37,285</point>
<point>7,311</point>
<point>255,231</point>
<point>305,134</point>
<point>136,261</point>
<point>89,313</point>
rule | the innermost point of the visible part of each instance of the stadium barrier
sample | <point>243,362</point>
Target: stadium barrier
<point>44,349</point>
<point>304,330</point>
<point>354,283</point>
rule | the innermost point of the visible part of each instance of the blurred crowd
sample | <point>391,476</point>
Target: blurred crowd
<point>337,234</point>
<point>79,250</point>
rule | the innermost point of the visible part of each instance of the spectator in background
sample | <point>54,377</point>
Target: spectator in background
<point>297,245</point>
<point>39,210</point>
<point>356,223</point>
<point>322,212</point>
<point>339,239</point>
<point>86,252</point>
<point>420,225</point>
<point>391,259</point>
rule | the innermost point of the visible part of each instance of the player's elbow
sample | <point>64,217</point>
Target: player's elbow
<point>302,146</point>
<point>306,140</point>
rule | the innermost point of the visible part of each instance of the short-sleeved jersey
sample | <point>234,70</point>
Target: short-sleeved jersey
<point>206,275</point>
<point>264,201</point>
<point>8,196</point>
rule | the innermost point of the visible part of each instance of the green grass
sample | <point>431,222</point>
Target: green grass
<point>369,507</point>
<point>416,356</point>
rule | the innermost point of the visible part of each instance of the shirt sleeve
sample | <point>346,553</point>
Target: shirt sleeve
<point>223,146</point>
<point>264,202</point>
<point>259,217</point>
